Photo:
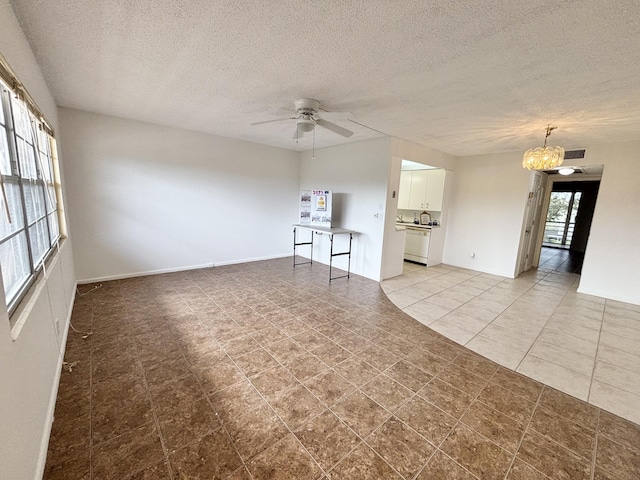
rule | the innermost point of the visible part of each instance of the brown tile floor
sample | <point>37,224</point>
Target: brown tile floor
<point>258,371</point>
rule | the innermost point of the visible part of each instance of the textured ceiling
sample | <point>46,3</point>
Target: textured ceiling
<point>465,77</point>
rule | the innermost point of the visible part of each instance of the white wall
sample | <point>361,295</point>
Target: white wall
<point>421,154</point>
<point>394,240</point>
<point>487,205</point>
<point>357,174</point>
<point>145,198</point>
<point>30,359</point>
<point>611,266</point>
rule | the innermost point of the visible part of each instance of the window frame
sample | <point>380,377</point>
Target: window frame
<point>42,185</point>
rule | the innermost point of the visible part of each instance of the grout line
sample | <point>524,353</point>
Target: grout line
<point>392,414</point>
<point>459,420</point>
<point>543,327</point>
<point>156,421</point>
<point>524,432</point>
<point>91,396</point>
<point>595,357</point>
<point>595,446</point>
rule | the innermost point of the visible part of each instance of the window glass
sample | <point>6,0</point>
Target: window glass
<point>39,236</point>
<point>27,159</point>
<point>576,203</point>
<point>20,118</point>
<point>53,227</point>
<point>5,161</point>
<point>14,258</point>
<point>34,200</point>
<point>29,202</point>
<point>51,201</point>
<point>12,190</point>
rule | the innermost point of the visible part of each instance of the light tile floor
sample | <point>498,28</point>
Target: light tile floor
<point>536,324</point>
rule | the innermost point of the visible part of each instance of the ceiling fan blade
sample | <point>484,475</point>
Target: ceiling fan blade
<point>276,120</point>
<point>335,128</point>
<point>335,116</point>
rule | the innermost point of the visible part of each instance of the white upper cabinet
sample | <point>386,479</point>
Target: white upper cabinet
<point>405,190</point>
<point>435,190</point>
<point>421,189</point>
<point>419,180</point>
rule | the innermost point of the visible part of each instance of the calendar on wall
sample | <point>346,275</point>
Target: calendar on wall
<point>315,208</point>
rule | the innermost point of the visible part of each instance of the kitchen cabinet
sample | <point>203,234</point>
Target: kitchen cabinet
<point>421,189</point>
<point>404,190</point>
<point>419,179</point>
<point>435,190</point>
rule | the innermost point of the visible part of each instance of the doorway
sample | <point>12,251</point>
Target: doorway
<point>566,223</point>
<point>557,219</point>
<point>561,219</point>
<point>569,218</point>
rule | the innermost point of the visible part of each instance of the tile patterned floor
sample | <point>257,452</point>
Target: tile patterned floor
<point>258,371</point>
<point>560,260</point>
<point>536,324</point>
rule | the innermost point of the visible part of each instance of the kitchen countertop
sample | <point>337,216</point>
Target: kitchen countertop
<point>414,225</point>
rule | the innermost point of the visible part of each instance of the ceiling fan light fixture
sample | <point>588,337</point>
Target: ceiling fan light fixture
<point>306,125</point>
<point>543,158</point>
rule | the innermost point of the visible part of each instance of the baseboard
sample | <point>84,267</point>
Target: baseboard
<point>144,273</point>
<point>179,269</point>
<point>479,270</point>
<point>609,295</point>
<point>46,434</point>
<point>254,259</point>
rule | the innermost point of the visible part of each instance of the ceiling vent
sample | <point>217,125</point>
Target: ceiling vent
<point>574,154</point>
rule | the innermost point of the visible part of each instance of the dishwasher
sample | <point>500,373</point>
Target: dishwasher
<point>416,248</point>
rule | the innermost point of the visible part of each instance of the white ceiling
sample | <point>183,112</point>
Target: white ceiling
<point>465,77</point>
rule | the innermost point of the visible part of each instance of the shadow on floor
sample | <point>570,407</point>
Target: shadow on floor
<point>560,260</point>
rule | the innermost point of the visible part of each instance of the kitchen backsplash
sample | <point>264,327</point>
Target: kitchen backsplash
<point>409,215</point>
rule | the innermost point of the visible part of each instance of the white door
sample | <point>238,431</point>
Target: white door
<point>532,223</point>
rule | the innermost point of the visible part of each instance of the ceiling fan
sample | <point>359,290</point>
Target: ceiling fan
<point>309,114</point>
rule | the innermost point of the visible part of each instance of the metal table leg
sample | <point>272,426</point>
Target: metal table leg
<point>297,244</point>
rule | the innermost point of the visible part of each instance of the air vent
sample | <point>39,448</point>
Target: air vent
<point>574,154</point>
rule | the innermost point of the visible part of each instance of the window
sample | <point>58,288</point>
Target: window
<point>561,218</point>
<point>29,227</point>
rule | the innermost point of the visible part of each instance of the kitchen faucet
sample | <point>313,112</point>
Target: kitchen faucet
<point>399,217</point>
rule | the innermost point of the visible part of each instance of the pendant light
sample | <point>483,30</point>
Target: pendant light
<point>543,158</point>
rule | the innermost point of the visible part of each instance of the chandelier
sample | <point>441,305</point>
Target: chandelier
<point>543,158</point>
